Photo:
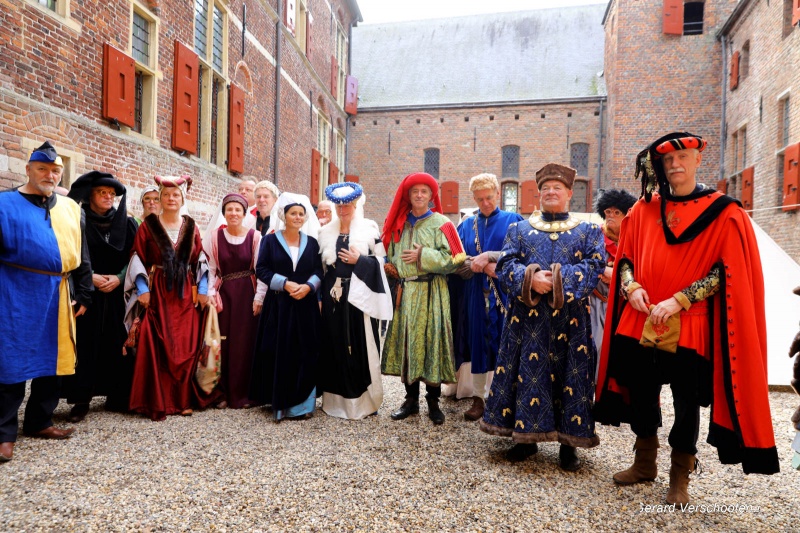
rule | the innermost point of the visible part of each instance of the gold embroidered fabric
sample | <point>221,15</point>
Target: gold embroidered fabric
<point>705,287</point>
<point>536,221</point>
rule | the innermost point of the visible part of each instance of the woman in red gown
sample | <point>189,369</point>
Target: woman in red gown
<point>169,252</point>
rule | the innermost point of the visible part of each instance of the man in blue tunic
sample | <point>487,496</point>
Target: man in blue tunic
<point>41,246</point>
<point>484,302</point>
<point>543,386</point>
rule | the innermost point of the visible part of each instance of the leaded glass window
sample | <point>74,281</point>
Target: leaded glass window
<point>579,158</point>
<point>580,190</point>
<point>140,42</point>
<point>49,4</point>
<point>510,161</point>
<point>432,162</point>
<point>510,198</point>
<point>200,26</point>
<point>216,58</point>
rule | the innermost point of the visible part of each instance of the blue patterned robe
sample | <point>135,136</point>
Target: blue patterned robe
<point>483,329</point>
<point>543,386</point>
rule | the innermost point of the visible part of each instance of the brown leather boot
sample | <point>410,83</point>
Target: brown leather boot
<point>644,466</point>
<point>682,465</point>
<point>476,411</point>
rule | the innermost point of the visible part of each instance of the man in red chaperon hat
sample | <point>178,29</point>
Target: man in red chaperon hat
<point>686,307</point>
<point>423,247</point>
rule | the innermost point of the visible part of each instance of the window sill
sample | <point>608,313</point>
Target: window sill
<point>65,21</point>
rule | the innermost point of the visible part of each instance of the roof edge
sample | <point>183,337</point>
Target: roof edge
<point>353,4</point>
<point>605,15</point>
<point>737,12</point>
<point>477,105</point>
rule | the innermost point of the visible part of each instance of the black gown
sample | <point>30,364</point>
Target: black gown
<point>102,369</point>
<point>287,343</point>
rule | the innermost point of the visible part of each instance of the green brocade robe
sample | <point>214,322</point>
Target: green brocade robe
<point>419,343</point>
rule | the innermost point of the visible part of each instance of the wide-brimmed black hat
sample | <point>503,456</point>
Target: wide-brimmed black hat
<point>81,190</point>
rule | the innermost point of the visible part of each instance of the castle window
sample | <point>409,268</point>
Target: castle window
<point>510,161</point>
<point>579,158</point>
<point>693,18</point>
<point>510,196</point>
<point>432,162</point>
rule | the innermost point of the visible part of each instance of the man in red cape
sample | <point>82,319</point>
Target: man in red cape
<point>688,278</point>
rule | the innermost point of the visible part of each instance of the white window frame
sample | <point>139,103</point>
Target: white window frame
<point>60,15</point>
<point>208,75</point>
<point>341,145</point>
<point>149,72</point>
<point>340,49</point>
<point>324,149</point>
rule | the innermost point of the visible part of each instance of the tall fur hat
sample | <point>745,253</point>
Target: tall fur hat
<point>619,198</point>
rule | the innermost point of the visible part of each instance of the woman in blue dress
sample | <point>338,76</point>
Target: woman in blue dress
<point>287,346</point>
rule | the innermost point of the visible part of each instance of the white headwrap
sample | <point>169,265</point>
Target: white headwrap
<point>277,220</point>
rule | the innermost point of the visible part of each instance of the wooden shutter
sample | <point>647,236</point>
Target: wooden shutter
<point>351,178</point>
<point>791,177</point>
<point>449,192</point>
<point>673,17</point>
<point>333,173</point>
<point>236,129</point>
<point>722,186</point>
<point>735,70</point>
<point>186,76</point>
<point>308,35</point>
<point>795,12</point>
<point>316,163</point>
<point>290,15</point>
<point>529,201</point>
<point>119,86</point>
<point>747,188</point>
<point>334,77</point>
<point>351,96</point>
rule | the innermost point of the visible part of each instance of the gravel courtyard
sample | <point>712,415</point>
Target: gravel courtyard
<point>226,470</point>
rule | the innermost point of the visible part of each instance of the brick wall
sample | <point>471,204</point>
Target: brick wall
<point>755,105</point>
<point>469,140</point>
<point>51,89</point>
<point>660,83</point>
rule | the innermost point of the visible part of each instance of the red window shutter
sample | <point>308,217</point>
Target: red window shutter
<point>290,14</point>
<point>333,173</point>
<point>722,186</point>
<point>673,17</point>
<point>795,12</point>
<point>119,86</point>
<point>316,163</point>
<point>236,130</point>
<point>334,77</point>
<point>449,192</point>
<point>735,70</point>
<point>747,188</point>
<point>184,105</point>
<point>530,196</point>
<point>351,178</point>
<point>791,177</point>
<point>308,35</point>
<point>351,96</point>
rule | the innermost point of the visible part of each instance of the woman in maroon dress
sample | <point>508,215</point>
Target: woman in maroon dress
<point>169,251</point>
<point>232,255</point>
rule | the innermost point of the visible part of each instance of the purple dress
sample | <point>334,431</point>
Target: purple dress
<point>235,266</point>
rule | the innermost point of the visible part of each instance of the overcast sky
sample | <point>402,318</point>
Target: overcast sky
<point>379,11</point>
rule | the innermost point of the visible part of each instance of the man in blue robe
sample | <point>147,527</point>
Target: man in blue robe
<point>543,386</point>
<point>41,247</point>
<point>484,302</point>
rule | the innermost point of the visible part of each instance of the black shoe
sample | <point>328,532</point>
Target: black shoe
<point>520,452</point>
<point>409,407</point>
<point>434,413</point>
<point>568,458</point>
<point>78,412</point>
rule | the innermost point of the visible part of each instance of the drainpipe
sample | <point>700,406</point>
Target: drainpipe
<point>722,133</point>
<point>600,150</point>
<point>347,117</point>
<point>277,147</point>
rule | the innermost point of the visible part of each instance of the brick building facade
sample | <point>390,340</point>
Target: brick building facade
<point>140,88</point>
<point>503,93</point>
<point>762,115</point>
<point>721,69</point>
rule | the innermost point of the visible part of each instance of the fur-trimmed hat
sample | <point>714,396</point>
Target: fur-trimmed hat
<point>554,171</point>
<point>608,198</point>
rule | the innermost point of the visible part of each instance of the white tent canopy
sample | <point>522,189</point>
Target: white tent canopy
<point>781,276</point>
